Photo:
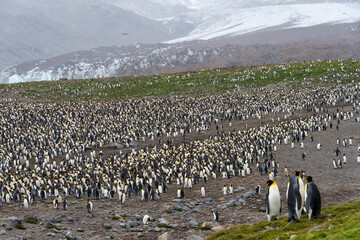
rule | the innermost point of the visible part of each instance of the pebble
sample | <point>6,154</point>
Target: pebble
<point>68,234</point>
<point>290,223</point>
<point>166,236</point>
<point>293,236</point>
<point>51,234</point>
<point>2,232</point>
<point>330,226</point>
<point>107,225</point>
<point>194,237</point>
<point>315,228</point>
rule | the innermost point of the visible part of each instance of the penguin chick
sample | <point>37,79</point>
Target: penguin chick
<point>272,200</point>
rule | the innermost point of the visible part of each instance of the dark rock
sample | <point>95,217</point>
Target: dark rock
<point>250,194</point>
<point>12,222</point>
<point>189,205</point>
<point>70,219</point>
<point>131,224</point>
<point>163,221</point>
<point>107,226</point>
<point>192,222</point>
<point>56,219</point>
<point>241,202</point>
<point>177,207</point>
<point>137,217</point>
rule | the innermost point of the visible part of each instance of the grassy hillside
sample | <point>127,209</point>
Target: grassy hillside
<point>216,81</point>
<point>340,222</point>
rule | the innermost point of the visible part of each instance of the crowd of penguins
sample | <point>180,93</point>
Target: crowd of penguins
<point>44,146</point>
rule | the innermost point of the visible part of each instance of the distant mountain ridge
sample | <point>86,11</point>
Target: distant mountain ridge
<point>61,32</point>
<point>281,46</point>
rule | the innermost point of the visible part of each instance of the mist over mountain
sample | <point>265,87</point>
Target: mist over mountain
<point>50,29</point>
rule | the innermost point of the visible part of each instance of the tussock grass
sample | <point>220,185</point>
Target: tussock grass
<point>205,82</point>
<point>343,218</point>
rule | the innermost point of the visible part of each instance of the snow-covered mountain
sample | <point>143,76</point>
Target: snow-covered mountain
<point>263,47</point>
<point>40,29</point>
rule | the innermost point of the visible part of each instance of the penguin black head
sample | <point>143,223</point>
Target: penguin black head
<point>296,173</point>
<point>269,183</point>
<point>309,178</point>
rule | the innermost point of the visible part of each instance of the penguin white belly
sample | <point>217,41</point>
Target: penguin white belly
<point>274,205</point>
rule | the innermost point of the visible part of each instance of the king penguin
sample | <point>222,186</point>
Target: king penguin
<point>146,219</point>
<point>203,191</point>
<point>56,203</point>
<point>313,199</point>
<point>272,200</point>
<point>215,215</point>
<point>89,206</point>
<point>26,203</point>
<point>294,199</point>
<point>65,204</point>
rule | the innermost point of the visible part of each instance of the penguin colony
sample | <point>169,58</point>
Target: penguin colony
<point>34,134</point>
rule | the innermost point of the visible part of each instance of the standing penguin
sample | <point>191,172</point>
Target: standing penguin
<point>56,203</point>
<point>26,203</point>
<point>203,191</point>
<point>225,189</point>
<point>89,206</point>
<point>65,204</point>
<point>300,176</point>
<point>146,219</point>
<point>294,198</point>
<point>257,189</point>
<point>313,199</point>
<point>231,189</point>
<point>215,215</point>
<point>272,200</point>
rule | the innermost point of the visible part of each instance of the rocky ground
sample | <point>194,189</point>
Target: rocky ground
<point>181,218</point>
